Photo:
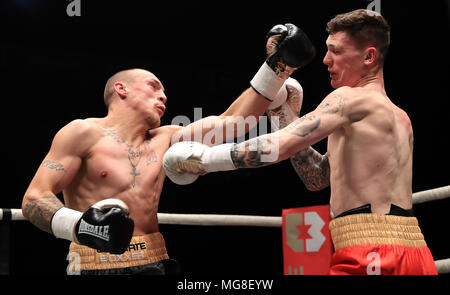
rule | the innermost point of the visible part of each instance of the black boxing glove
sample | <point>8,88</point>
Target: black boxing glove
<point>105,226</point>
<point>288,48</point>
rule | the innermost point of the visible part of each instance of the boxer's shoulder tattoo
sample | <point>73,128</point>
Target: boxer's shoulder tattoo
<point>40,212</point>
<point>248,154</point>
<point>53,165</point>
<point>312,168</point>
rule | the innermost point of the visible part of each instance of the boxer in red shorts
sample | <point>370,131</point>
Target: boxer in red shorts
<point>368,164</point>
<point>375,244</point>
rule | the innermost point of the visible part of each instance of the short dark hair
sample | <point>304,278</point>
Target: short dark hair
<point>365,27</point>
<point>123,76</point>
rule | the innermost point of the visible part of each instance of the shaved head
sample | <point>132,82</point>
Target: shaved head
<point>125,76</point>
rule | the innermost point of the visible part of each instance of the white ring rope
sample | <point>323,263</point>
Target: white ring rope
<point>443,265</point>
<point>250,220</point>
<point>219,219</point>
<point>431,195</point>
<point>16,214</point>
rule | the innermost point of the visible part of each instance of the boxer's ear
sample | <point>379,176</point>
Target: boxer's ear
<point>371,54</point>
<point>121,89</point>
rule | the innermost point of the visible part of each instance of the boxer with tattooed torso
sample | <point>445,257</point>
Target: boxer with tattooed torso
<point>368,165</point>
<point>110,169</point>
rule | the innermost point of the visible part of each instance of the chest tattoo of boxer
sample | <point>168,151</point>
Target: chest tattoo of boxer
<point>134,157</point>
<point>134,172</point>
<point>151,156</point>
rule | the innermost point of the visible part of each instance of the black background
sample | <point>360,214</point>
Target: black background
<point>54,68</point>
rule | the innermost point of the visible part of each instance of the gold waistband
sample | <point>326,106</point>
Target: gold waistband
<point>363,229</point>
<point>142,250</point>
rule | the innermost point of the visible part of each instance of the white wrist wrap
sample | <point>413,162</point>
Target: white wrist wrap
<point>64,222</point>
<point>266,82</point>
<point>280,98</point>
<point>218,158</point>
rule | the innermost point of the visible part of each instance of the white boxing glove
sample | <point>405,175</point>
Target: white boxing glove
<point>185,161</point>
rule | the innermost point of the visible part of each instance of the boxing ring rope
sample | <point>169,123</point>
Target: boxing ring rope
<point>273,221</point>
<point>431,195</point>
<point>443,265</point>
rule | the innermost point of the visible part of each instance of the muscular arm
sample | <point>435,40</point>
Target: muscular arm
<point>39,210</point>
<point>56,171</point>
<point>241,116</point>
<point>297,136</point>
<point>338,109</point>
<point>312,168</point>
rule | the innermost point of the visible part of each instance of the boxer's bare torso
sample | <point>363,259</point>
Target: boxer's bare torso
<point>371,159</point>
<point>369,153</point>
<point>370,140</point>
<point>111,168</point>
<point>120,155</point>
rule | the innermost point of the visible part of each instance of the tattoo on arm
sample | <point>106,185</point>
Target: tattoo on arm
<point>40,212</point>
<point>53,165</point>
<point>305,125</point>
<point>248,154</point>
<point>312,168</point>
<point>333,108</point>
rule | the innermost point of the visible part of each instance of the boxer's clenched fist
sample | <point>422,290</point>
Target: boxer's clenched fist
<point>105,226</point>
<point>288,48</point>
<point>186,160</point>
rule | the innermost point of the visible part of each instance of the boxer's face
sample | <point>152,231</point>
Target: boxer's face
<point>149,96</point>
<point>344,60</point>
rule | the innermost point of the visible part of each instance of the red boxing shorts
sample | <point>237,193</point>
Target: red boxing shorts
<point>374,244</point>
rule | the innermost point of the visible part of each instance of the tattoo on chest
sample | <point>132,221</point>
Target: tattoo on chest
<point>151,158</point>
<point>134,172</point>
<point>134,157</point>
<point>120,142</point>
